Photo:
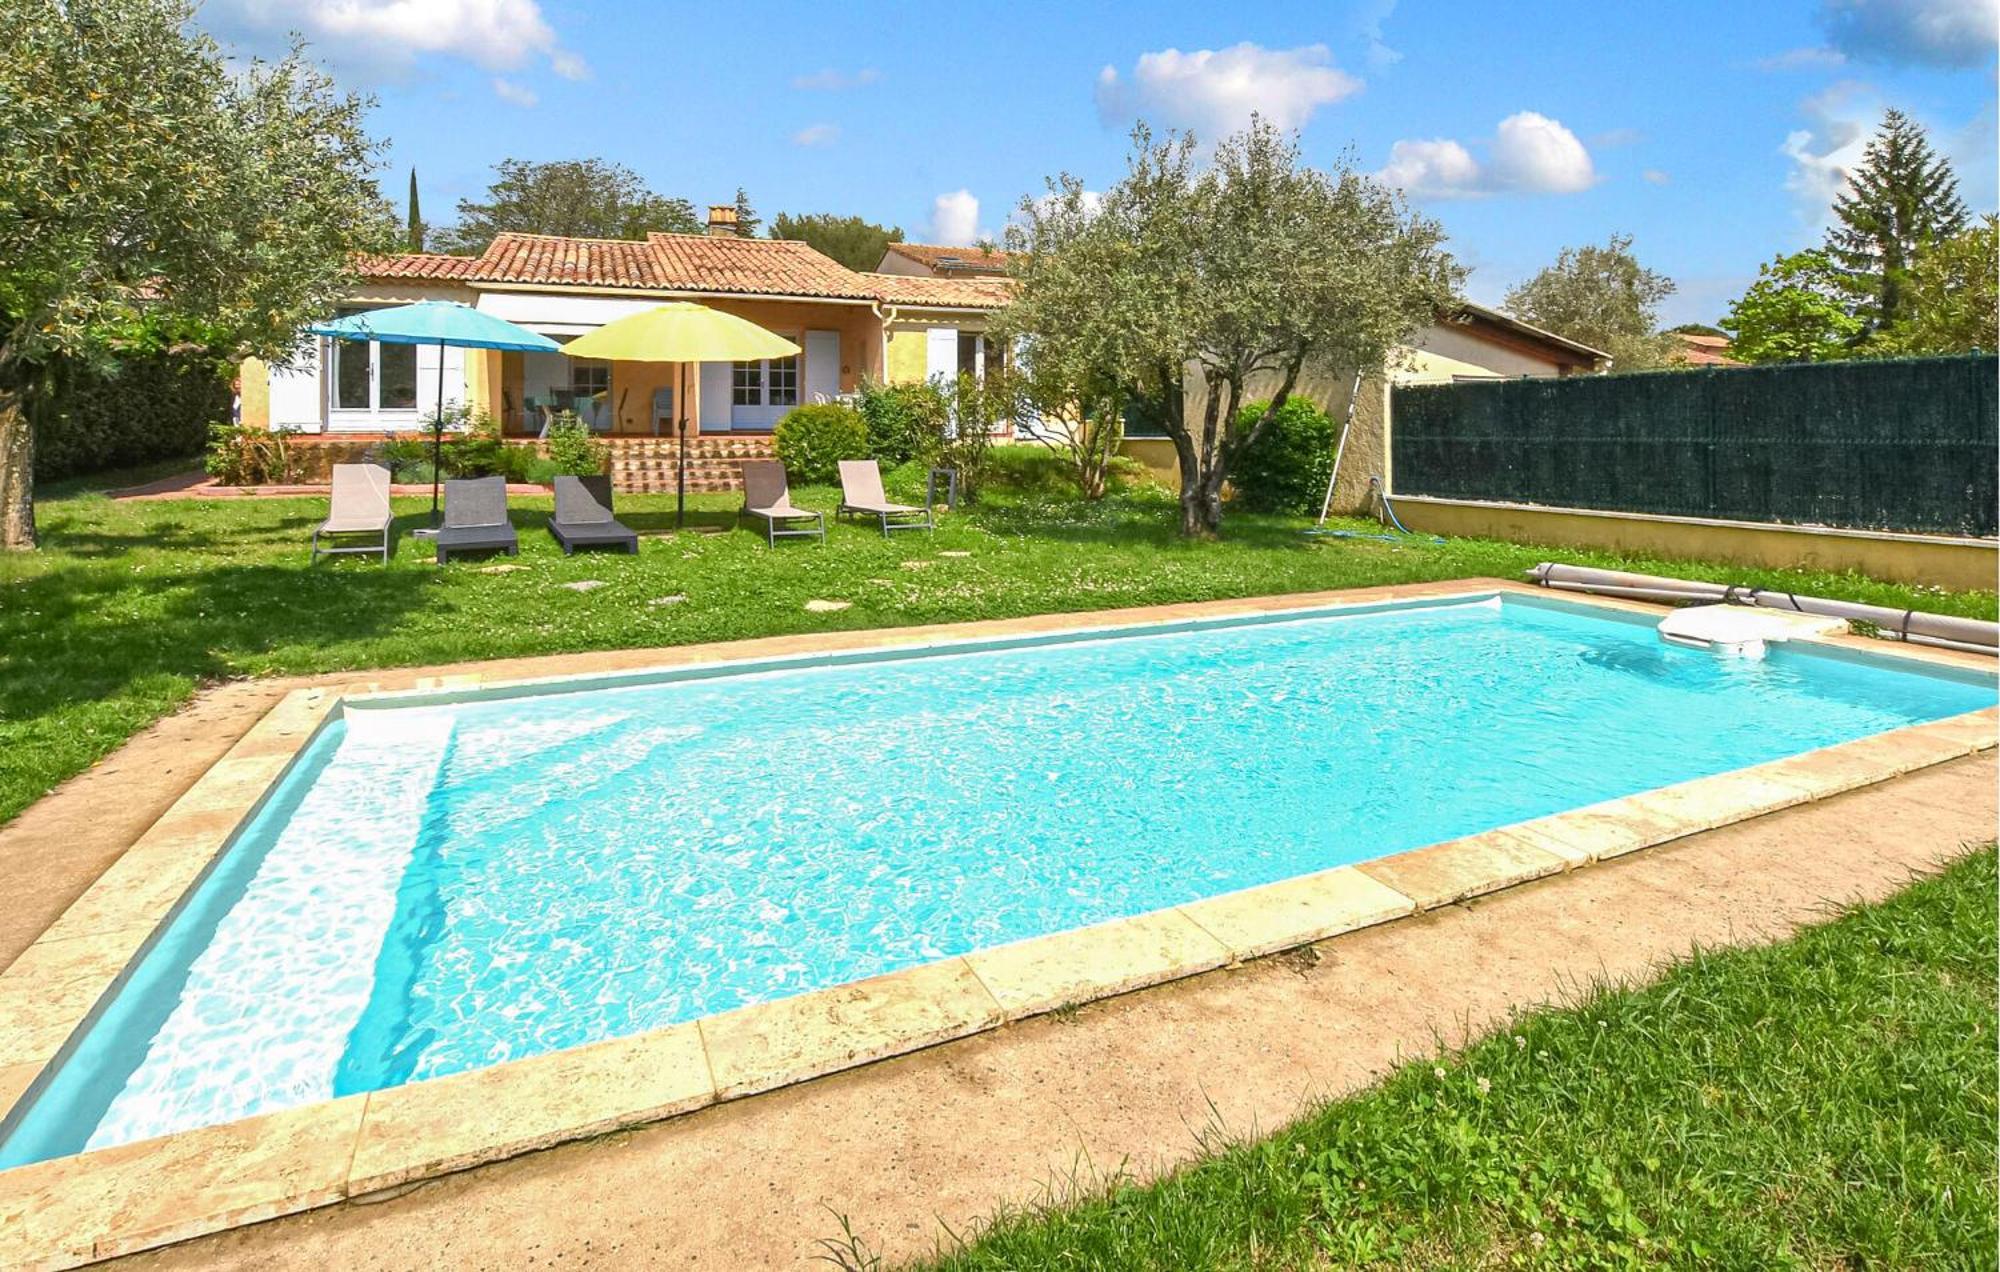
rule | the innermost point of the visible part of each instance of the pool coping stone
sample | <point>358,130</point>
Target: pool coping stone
<point>107,1202</point>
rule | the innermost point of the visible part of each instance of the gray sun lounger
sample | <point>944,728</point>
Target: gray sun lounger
<point>767,497</point>
<point>475,518</point>
<point>359,508</point>
<point>861,494</point>
<point>583,516</point>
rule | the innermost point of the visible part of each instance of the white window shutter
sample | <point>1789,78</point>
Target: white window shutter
<point>714,405</point>
<point>941,353</point>
<point>822,369</point>
<point>298,395</point>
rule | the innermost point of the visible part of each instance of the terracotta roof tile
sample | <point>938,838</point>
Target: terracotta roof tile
<point>717,264</point>
<point>954,293</point>
<point>773,267</point>
<point>417,265</point>
<point>947,259</point>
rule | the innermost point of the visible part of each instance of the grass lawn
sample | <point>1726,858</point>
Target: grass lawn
<point>130,606</point>
<point>1828,1102</point>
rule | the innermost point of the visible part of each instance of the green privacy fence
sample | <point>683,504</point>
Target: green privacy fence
<point>1906,444</point>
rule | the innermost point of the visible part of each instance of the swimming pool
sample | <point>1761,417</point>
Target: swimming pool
<point>447,884</point>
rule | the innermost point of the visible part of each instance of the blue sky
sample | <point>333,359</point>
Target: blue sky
<point>1713,133</point>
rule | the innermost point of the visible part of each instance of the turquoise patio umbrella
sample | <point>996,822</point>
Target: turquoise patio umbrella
<point>438,322</point>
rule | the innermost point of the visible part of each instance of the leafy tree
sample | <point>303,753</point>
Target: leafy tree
<point>747,220</point>
<point>586,198</point>
<point>1902,199</point>
<point>1951,302</point>
<point>1695,329</point>
<point>1211,283</point>
<point>855,243</point>
<point>148,183</point>
<point>1798,310</point>
<point>1602,297</point>
<point>416,230</point>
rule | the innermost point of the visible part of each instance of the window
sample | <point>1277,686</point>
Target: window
<point>588,379</point>
<point>977,354</point>
<point>772,383</point>
<point>369,376</point>
<point>783,381</point>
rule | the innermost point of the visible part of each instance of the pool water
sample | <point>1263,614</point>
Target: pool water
<point>442,886</point>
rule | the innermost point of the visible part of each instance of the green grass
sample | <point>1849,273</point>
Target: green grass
<point>1827,1102</point>
<point>131,606</point>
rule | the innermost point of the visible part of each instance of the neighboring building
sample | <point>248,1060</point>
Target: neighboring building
<point>849,325</point>
<point>931,260</point>
<point>1700,350</point>
<point>1471,343</point>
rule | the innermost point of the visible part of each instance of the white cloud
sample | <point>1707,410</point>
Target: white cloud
<point>387,36</point>
<point>519,94</point>
<point>1215,91</point>
<point>1535,153</point>
<point>816,135</point>
<point>1957,33</point>
<point>1838,122</point>
<point>1653,176</point>
<point>1529,154</point>
<point>1437,167</point>
<point>955,219</point>
<point>1368,22</point>
<point>1810,58</point>
<point>833,81</point>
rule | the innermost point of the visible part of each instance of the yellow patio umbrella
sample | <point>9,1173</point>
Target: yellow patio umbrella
<point>681,332</point>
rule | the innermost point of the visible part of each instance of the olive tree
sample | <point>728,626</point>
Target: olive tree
<point>144,180</point>
<point>1187,282</point>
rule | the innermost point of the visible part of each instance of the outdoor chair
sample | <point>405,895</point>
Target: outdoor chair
<point>861,494</point>
<point>359,508</point>
<point>475,518</point>
<point>583,516</point>
<point>768,497</point>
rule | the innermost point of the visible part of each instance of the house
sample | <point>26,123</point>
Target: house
<point>1699,349</point>
<point>932,260</point>
<point>849,325</point>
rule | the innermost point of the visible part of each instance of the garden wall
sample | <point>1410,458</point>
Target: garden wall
<point>1909,445</point>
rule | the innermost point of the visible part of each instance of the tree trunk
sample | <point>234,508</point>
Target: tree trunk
<point>17,463</point>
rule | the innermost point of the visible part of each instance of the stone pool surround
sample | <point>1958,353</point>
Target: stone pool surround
<point>120,1200</point>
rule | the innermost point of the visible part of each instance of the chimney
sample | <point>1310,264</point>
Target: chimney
<point>722,219</point>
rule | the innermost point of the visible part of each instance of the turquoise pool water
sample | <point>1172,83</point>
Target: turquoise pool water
<point>442,886</point>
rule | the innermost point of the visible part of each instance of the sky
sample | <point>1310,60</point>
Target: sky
<point>1715,134</point>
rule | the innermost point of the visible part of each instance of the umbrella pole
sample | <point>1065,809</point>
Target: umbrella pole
<point>681,451</point>
<point>437,435</point>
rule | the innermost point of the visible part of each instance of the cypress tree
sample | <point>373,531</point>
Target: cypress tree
<point>1902,199</point>
<point>416,216</point>
<point>747,220</point>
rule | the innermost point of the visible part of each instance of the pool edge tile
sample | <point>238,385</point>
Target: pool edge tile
<point>774,1044</point>
<point>1278,916</point>
<point>1722,798</point>
<point>50,990</point>
<point>1029,977</point>
<point>115,1201</point>
<point>422,1130</point>
<point>1459,869</point>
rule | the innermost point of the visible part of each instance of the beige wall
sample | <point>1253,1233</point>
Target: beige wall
<point>1936,561</point>
<point>253,386</point>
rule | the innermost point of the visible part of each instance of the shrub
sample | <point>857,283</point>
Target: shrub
<point>139,407</point>
<point>408,457</point>
<point>812,440</point>
<point>244,455</point>
<point>573,450</point>
<point>1287,468</point>
<point>901,418</point>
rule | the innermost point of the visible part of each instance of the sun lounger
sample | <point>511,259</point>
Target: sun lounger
<point>861,494</point>
<point>766,496</point>
<point>475,518</point>
<point>359,507</point>
<point>583,516</point>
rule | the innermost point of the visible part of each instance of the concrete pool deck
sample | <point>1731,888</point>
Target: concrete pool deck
<point>349,1147</point>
